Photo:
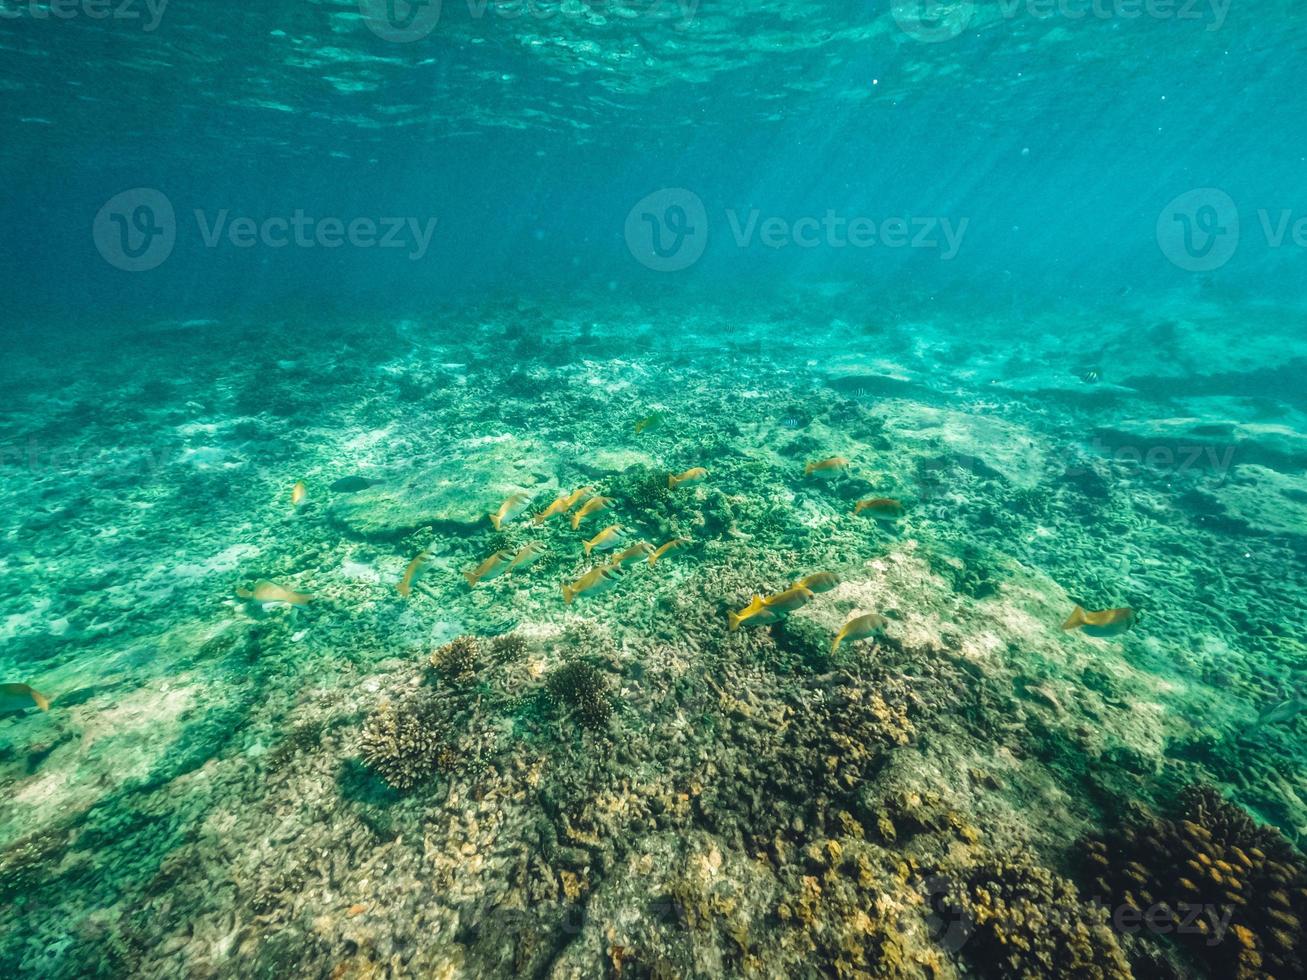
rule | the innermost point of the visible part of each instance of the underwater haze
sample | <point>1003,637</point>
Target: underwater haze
<point>664,489</point>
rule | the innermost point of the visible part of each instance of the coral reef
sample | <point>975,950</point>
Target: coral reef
<point>458,660</point>
<point>405,743</point>
<point>1233,893</point>
<point>1024,922</point>
<point>581,687</point>
<point>508,646</point>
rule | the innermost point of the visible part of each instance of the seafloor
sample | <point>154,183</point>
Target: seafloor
<point>622,786</point>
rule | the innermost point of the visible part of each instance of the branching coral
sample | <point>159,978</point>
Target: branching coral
<point>406,743</point>
<point>580,686</point>
<point>641,488</point>
<point>1232,892</point>
<point>459,659</point>
<point>509,646</point>
<point>1022,921</point>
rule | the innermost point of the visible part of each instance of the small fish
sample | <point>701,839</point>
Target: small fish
<point>298,494</point>
<point>577,495</point>
<point>526,554</point>
<point>795,597</point>
<point>1284,711</point>
<point>639,551</point>
<point>606,540</point>
<point>591,506</point>
<point>648,423</point>
<point>493,567</point>
<point>1090,377</point>
<point>663,549</point>
<point>1108,622</point>
<point>821,582</point>
<point>265,591</point>
<point>19,697</point>
<point>881,508</point>
<point>352,484</point>
<point>593,582</point>
<point>559,506</point>
<point>405,586</point>
<point>689,476</point>
<point>827,468</point>
<point>755,613</point>
<point>509,510</point>
<point>859,628</point>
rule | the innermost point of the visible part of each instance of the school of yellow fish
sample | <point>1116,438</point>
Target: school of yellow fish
<point>583,503</point>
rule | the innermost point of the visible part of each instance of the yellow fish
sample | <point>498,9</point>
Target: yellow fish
<point>405,586</point>
<point>559,506</point>
<point>1108,622</point>
<point>795,597</point>
<point>826,468</point>
<point>637,552</point>
<point>526,555</point>
<point>859,628</point>
<point>298,494</point>
<point>576,496</point>
<point>881,508</point>
<point>821,582</point>
<point>591,506</point>
<point>755,613</point>
<point>17,697</point>
<point>509,510</point>
<point>648,423</point>
<point>689,476</point>
<point>663,549</point>
<point>593,582</point>
<point>609,538</point>
<point>492,567</point>
<point>265,591</point>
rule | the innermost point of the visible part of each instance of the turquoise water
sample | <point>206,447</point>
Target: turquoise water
<point>970,335</point>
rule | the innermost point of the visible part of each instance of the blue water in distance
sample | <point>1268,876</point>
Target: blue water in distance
<point>1060,140</point>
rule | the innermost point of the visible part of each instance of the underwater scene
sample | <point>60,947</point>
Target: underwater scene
<point>653,489</point>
